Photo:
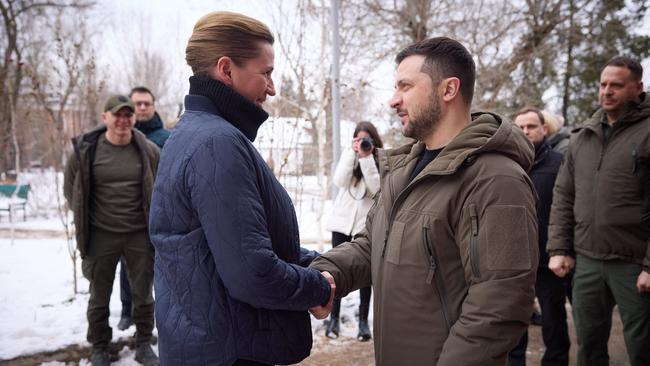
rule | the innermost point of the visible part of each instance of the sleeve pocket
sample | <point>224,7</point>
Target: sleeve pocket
<point>507,238</point>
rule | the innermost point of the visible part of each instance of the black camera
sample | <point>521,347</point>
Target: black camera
<point>366,144</point>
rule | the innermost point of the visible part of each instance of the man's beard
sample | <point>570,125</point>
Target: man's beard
<point>424,122</point>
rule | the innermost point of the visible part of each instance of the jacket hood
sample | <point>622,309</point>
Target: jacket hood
<point>487,133</point>
<point>634,112</point>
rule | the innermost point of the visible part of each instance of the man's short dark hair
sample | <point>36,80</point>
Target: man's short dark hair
<point>532,110</point>
<point>444,57</point>
<point>142,89</point>
<point>636,70</point>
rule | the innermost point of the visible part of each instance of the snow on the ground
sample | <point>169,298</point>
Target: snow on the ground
<point>38,311</point>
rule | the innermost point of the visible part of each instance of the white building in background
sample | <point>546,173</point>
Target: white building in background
<point>288,148</point>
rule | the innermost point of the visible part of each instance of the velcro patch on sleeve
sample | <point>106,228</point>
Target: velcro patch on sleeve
<point>507,238</point>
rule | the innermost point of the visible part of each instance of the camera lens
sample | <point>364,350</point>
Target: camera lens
<point>366,144</point>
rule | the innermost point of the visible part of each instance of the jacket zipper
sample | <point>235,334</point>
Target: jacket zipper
<point>433,265</point>
<point>473,242</point>
<point>388,216</point>
<point>633,158</point>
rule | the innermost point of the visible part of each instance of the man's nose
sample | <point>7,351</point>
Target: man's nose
<point>395,101</point>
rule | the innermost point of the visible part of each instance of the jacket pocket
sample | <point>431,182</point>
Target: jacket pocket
<point>474,254</point>
<point>430,250</point>
<point>88,268</point>
<point>393,244</point>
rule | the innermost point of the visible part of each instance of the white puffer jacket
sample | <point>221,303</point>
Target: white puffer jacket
<point>352,203</point>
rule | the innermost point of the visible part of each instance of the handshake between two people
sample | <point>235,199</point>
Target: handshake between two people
<point>322,311</point>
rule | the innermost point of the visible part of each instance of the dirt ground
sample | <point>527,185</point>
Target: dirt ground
<point>347,351</point>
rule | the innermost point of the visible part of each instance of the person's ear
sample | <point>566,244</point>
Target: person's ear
<point>450,88</point>
<point>222,70</point>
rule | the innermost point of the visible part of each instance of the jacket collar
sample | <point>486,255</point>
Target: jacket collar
<point>151,125</point>
<point>634,112</point>
<point>222,100</point>
<point>541,151</point>
<point>487,132</point>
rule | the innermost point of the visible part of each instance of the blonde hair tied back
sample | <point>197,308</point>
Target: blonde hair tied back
<point>223,33</point>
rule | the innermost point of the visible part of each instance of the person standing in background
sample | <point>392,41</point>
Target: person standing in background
<point>148,122</point>
<point>357,177</point>
<point>600,218</point>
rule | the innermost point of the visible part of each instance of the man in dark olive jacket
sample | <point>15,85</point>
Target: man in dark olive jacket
<point>549,289</point>
<point>601,215</point>
<point>450,245</point>
<point>148,122</point>
<point>108,184</point>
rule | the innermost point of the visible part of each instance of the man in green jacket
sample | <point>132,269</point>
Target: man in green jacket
<point>450,245</point>
<point>108,183</point>
<point>601,216</point>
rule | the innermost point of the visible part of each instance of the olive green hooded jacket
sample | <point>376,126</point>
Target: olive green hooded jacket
<point>452,255</point>
<point>77,180</point>
<point>601,199</point>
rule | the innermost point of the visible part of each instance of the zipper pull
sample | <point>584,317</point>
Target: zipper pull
<point>383,250</point>
<point>432,270</point>
<point>633,158</point>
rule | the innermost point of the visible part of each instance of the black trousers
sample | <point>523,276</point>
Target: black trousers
<point>551,294</point>
<point>364,293</point>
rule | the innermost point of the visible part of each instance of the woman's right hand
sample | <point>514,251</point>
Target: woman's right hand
<point>356,144</point>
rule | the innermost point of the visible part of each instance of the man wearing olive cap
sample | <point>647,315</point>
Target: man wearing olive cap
<point>108,183</point>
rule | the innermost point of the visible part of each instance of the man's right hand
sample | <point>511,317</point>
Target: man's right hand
<point>321,312</point>
<point>561,265</point>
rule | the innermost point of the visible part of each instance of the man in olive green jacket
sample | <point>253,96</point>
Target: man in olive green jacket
<point>450,245</point>
<point>108,183</point>
<point>601,214</point>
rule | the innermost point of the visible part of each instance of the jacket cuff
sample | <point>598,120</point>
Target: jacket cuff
<point>554,252</point>
<point>327,292</point>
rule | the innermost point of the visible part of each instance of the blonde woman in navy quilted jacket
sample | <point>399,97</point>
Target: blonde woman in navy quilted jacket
<point>357,179</point>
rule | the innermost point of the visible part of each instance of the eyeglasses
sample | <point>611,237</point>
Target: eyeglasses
<point>146,104</point>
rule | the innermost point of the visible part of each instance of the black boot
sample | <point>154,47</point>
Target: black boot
<point>333,326</point>
<point>364,330</point>
<point>100,357</point>
<point>126,321</point>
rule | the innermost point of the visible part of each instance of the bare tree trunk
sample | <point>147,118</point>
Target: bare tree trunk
<point>321,127</point>
<point>569,65</point>
<point>14,138</point>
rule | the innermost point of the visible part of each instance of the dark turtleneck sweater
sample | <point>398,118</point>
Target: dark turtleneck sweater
<point>232,106</point>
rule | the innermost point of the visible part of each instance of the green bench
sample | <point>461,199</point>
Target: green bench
<point>7,190</point>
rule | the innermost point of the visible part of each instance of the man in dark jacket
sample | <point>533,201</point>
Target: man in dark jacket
<point>108,183</point>
<point>147,119</point>
<point>450,245</point>
<point>601,215</point>
<point>549,289</point>
<point>148,122</point>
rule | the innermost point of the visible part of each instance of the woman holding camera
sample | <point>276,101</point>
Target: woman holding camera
<point>357,177</point>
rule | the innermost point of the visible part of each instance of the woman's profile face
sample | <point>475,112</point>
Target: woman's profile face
<point>253,78</point>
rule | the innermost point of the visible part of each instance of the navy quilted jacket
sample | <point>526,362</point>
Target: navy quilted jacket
<point>230,277</point>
